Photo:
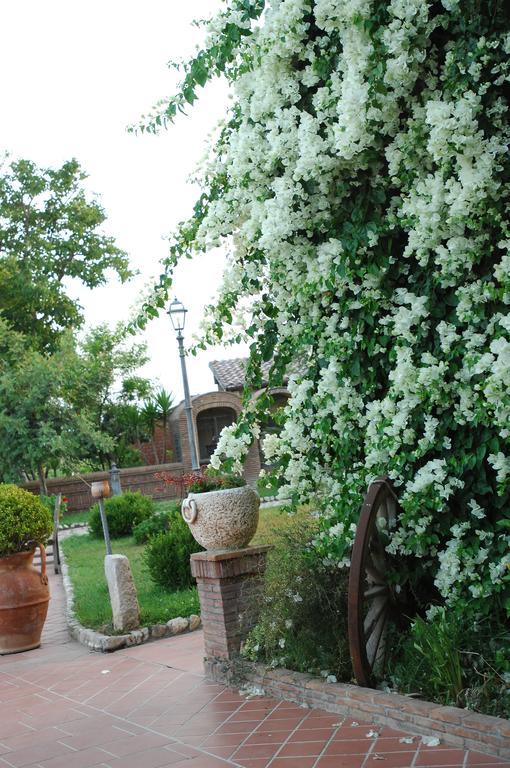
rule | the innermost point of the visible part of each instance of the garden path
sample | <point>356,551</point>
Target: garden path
<point>62,706</point>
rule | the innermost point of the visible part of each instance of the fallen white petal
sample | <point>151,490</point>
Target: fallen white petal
<point>430,741</point>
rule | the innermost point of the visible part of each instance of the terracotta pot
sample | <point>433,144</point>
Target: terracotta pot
<point>24,597</point>
<point>224,519</point>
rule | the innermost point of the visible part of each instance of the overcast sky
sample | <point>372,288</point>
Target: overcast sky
<point>74,75</point>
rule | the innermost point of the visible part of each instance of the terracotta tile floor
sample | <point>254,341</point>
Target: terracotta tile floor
<point>150,707</point>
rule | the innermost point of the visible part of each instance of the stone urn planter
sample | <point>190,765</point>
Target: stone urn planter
<point>25,523</point>
<point>222,519</point>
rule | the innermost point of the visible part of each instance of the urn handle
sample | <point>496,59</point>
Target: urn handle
<point>189,510</point>
<point>44,577</point>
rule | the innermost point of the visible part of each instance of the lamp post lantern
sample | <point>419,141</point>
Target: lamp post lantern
<point>177,314</point>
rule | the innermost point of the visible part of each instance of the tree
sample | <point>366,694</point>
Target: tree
<point>150,416</point>
<point>77,406</point>
<point>49,232</point>
<point>40,424</point>
<point>164,402</point>
<point>362,179</point>
<point>110,388</point>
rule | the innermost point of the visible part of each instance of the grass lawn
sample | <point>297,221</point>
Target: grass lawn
<point>75,517</point>
<point>273,520</point>
<point>85,557</point>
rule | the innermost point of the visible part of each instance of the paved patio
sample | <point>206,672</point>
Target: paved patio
<point>62,706</point>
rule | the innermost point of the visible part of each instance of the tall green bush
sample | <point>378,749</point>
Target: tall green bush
<point>303,621</point>
<point>159,522</point>
<point>123,513</point>
<point>167,555</point>
<point>451,660</point>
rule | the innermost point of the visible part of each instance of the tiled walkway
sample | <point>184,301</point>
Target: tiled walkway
<point>150,707</point>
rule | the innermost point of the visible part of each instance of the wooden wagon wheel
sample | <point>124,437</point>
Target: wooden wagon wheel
<point>371,598</point>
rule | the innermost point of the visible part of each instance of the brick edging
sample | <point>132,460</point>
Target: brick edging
<point>458,727</point>
<point>97,641</point>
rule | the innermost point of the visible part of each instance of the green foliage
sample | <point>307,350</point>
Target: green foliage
<point>369,152</point>
<point>24,520</point>
<point>164,402</point>
<point>210,480</point>
<point>159,522</point>
<point>303,623</point>
<point>50,231</point>
<point>157,409</point>
<point>123,513</point>
<point>110,389</point>
<point>454,660</point>
<point>217,58</point>
<point>49,503</point>
<point>64,409</point>
<point>43,419</point>
<point>167,555</point>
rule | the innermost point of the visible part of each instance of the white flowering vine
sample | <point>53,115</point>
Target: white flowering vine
<point>362,184</point>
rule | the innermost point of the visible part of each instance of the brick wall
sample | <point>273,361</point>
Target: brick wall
<point>453,726</point>
<point>152,452</point>
<point>133,479</point>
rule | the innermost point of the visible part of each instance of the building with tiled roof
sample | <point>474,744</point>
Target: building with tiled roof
<point>230,375</point>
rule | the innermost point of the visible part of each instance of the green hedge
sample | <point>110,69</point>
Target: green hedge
<point>167,555</point>
<point>123,514</point>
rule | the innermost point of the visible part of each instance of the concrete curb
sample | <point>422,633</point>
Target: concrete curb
<point>97,641</point>
<point>458,727</point>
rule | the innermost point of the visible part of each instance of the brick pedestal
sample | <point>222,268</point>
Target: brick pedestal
<point>229,587</point>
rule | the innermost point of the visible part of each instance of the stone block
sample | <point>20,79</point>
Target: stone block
<point>176,626</point>
<point>158,631</point>
<point>113,643</point>
<point>123,598</point>
<point>135,638</point>
<point>194,622</point>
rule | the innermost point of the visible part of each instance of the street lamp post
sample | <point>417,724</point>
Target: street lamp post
<point>177,314</point>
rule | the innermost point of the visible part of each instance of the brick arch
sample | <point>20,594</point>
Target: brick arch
<point>216,400</point>
<point>199,403</point>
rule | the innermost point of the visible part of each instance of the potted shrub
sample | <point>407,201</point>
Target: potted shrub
<point>25,523</point>
<point>221,510</point>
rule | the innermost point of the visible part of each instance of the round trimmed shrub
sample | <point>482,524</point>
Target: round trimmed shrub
<point>123,514</point>
<point>24,520</point>
<point>149,528</point>
<point>159,522</point>
<point>167,555</point>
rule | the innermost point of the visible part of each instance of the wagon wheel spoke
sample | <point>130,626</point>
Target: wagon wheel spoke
<point>375,647</point>
<point>375,590</point>
<point>377,608</point>
<point>374,572</point>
